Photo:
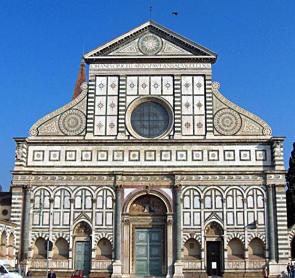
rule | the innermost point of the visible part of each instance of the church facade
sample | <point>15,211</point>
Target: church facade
<point>150,171</point>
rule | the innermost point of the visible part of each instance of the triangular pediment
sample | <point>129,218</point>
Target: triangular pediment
<point>151,40</point>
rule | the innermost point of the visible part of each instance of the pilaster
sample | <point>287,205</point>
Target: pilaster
<point>26,221</point>
<point>117,264</point>
<point>271,223</point>
<point>178,265</point>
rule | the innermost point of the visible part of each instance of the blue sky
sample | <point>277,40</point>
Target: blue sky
<point>42,43</point>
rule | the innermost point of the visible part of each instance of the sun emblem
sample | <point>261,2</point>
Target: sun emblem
<point>150,44</point>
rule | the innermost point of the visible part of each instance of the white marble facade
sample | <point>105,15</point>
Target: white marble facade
<point>151,146</point>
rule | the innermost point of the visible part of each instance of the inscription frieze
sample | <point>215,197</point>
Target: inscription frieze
<point>152,66</point>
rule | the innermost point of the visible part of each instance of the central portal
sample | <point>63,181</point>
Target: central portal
<point>147,230</point>
<point>149,251</point>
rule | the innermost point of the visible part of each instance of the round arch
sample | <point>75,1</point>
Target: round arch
<point>139,193</point>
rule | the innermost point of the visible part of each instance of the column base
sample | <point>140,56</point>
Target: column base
<point>117,269</point>
<point>178,270</point>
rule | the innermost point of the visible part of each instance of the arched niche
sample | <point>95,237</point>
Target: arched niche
<point>39,251</point>
<point>61,249</point>
<point>192,250</point>
<point>104,249</point>
<point>256,249</point>
<point>235,249</point>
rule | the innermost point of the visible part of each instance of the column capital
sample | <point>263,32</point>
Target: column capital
<point>27,187</point>
<point>177,187</point>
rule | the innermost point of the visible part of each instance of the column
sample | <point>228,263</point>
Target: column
<point>71,245</point>
<point>26,221</point>
<point>271,224</point>
<point>178,266</point>
<point>93,246</point>
<point>117,265</point>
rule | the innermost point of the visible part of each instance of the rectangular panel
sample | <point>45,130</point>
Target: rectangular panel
<point>113,85</point>
<point>155,236</point>
<point>230,218</point>
<point>100,105</point>
<point>112,105</point>
<point>109,218</point>
<point>99,125</point>
<point>36,218</point>
<point>199,105</point>
<point>112,125</point>
<point>99,218</point>
<point>56,218</point>
<point>251,217</point>
<point>187,105</point>
<point>186,219</point>
<point>66,218</point>
<point>45,218</point>
<point>260,217</point>
<point>141,236</point>
<point>240,218</point>
<point>141,251</point>
<point>156,85</point>
<point>167,85</point>
<point>187,125</point>
<point>187,85</point>
<point>197,218</point>
<point>101,85</point>
<point>132,85</point>
<point>144,85</point>
<point>199,125</point>
<point>199,86</point>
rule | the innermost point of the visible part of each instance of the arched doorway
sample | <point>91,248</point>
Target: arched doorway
<point>82,239</point>
<point>293,249</point>
<point>214,248</point>
<point>145,235</point>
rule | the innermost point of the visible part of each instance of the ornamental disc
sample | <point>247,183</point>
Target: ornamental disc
<point>72,122</point>
<point>227,121</point>
<point>150,44</point>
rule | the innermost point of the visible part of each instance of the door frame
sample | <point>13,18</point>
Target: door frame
<point>131,221</point>
<point>163,245</point>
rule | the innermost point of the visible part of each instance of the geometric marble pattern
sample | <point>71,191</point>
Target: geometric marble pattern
<point>152,155</point>
<point>193,105</point>
<point>106,105</point>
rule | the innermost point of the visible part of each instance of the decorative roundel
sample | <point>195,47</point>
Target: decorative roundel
<point>227,121</point>
<point>72,122</point>
<point>150,44</point>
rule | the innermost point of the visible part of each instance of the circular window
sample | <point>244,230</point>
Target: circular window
<point>150,118</point>
<point>4,212</point>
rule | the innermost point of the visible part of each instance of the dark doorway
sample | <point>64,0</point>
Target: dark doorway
<point>293,248</point>
<point>213,258</point>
